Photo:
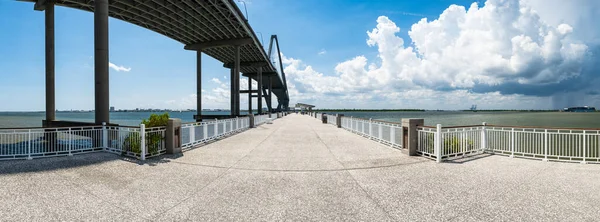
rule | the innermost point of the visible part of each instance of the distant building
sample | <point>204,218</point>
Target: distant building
<point>112,109</point>
<point>579,109</point>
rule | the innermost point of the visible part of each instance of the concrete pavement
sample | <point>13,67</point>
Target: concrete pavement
<point>297,169</point>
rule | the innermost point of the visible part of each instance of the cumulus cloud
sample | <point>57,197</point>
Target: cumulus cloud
<point>118,68</point>
<point>501,51</point>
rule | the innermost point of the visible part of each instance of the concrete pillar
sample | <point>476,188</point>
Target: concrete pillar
<point>269,97</point>
<point>251,121</point>
<point>260,98</point>
<point>198,116</point>
<point>50,82</point>
<point>101,61</point>
<point>173,136</point>
<point>232,91</point>
<point>237,80</point>
<point>250,96</point>
<point>410,135</point>
<point>338,120</point>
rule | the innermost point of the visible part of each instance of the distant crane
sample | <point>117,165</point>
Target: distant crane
<point>474,108</point>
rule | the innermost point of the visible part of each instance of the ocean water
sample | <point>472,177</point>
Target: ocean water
<point>458,118</point>
<point>34,119</point>
<point>446,118</point>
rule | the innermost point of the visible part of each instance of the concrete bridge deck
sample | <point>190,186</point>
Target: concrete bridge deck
<point>297,169</point>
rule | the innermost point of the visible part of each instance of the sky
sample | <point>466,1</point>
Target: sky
<point>386,54</point>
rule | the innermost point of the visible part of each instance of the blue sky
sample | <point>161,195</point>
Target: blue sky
<point>330,58</point>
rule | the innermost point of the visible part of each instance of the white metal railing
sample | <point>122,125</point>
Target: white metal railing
<point>332,119</point>
<point>426,141</point>
<point>578,145</point>
<point>383,132</point>
<point>193,134</point>
<point>260,119</point>
<point>443,143</point>
<point>139,142</point>
<point>46,142</point>
<point>461,141</point>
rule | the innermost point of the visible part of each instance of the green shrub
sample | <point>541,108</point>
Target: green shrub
<point>454,144</point>
<point>153,141</point>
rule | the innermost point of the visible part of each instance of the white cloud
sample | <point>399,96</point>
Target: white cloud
<point>504,51</point>
<point>118,68</point>
<point>322,52</point>
<point>504,54</point>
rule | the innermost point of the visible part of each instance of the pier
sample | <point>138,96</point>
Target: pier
<point>297,168</point>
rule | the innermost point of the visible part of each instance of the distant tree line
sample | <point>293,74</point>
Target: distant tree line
<point>368,110</point>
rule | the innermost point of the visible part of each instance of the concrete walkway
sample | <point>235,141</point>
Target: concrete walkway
<point>301,170</point>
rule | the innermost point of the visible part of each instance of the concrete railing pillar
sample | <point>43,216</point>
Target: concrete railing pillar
<point>338,120</point>
<point>173,136</point>
<point>251,121</point>
<point>410,135</point>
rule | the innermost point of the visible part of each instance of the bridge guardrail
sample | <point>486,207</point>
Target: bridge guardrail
<point>193,134</point>
<point>384,132</point>
<point>573,145</point>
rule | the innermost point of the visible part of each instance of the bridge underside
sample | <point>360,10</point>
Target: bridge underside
<point>214,27</point>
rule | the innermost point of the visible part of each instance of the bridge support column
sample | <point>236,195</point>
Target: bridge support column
<point>250,96</point>
<point>237,80</point>
<point>269,100</point>
<point>260,97</point>
<point>198,116</point>
<point>232,91</point>
<point>410,135</point>
<point>101,61</point>
<point>50,71</point>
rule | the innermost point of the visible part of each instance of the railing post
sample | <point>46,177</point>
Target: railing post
<point>409,129</point>
<point>205,131</point>
<point>370,128</point>
<point>192,134</point>
<point>237,123</point>
<point>143,141</point>
<point>512,142</point>
<point>545,145</point>
<point>484,137</point>
<point>173,136</point>
<point>104,136</point>
<point>380,132</point>
<point>438,143</point>
<point>216,128</point>
<point>351,124</point>
<point>71,142</point>
<point>392,135</point>
<point>584,149</point>
<point>252,121</point>
<point>29,145</point>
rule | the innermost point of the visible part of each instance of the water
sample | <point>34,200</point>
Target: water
<point>34,119</point>
<point>456,118</point>
<point>446,118</point>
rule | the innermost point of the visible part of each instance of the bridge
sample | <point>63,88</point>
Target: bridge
<point>217,28</point>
